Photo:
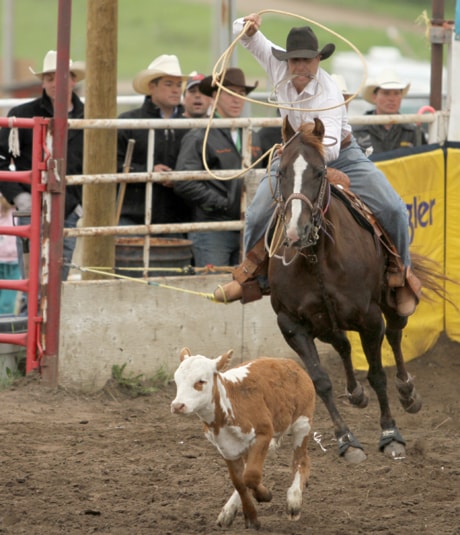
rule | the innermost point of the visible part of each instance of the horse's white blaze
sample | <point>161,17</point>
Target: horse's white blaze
<point>300,165</point>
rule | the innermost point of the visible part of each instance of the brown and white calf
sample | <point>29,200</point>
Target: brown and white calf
<point>243,409</point>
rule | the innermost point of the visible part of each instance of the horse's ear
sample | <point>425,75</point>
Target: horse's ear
<point>319,129</point>
<point>287,131</point>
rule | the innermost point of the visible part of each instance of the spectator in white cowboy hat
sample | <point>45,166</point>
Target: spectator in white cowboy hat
<point>161,83</point>
<point>216,200</point>
<point>16,148</point>
<point>387,93</point>
<point>196,104</point>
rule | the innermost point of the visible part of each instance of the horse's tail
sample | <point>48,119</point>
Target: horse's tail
<point>432,278</point>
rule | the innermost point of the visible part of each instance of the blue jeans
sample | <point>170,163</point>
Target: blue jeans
<point>367,181</point>
<point>216,248</point>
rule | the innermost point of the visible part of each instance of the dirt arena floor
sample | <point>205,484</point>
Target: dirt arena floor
<point>110,464</point>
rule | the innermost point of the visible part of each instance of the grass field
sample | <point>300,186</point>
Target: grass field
<point>148,28</point>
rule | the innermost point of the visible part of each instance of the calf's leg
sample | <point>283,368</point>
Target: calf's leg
<point>229,510</point>
<point>235,469</point>
<point>255,458</point>
<point>300,467</point>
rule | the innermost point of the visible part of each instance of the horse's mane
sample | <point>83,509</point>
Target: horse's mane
<point>310,136</point>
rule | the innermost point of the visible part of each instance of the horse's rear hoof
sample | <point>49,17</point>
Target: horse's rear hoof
<point>358,397</point>
<point>395,450</point>
<point>412,405</point>
<point>354,455</point>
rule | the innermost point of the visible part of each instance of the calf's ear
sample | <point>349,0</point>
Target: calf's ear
<point>185,353</point>
<point>224,360</point>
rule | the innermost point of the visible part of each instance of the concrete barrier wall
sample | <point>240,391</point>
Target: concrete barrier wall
<point>115,322</point>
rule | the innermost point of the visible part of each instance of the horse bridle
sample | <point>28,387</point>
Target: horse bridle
<point>317,209</point>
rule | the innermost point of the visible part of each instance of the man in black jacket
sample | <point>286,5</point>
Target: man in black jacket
<point>161,83</point>
<point>216,200</point>
<point>16,148</point>
<point>386,93</point>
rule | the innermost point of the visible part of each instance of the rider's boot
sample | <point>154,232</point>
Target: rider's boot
<point>248,278</point>
<point>407,287</point>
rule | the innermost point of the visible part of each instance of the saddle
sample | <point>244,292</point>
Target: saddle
<point>395,272</point>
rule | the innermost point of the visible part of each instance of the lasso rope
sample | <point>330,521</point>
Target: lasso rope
<point>218,74</point>
<point>105,272</point>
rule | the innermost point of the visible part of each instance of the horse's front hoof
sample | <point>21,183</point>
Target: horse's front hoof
<point>395,450</point>
<point>354,455</point>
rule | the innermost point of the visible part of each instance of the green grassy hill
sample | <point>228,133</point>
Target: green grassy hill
<point>148,28</point>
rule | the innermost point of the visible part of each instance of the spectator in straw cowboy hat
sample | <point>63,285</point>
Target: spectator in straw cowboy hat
<point>161,83</point>
<point>16,146</point>
<point>387,93</point>
<point>196,104</point>
<point>216,200</point>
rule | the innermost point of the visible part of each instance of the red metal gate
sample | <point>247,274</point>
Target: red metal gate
<point>31,285</point>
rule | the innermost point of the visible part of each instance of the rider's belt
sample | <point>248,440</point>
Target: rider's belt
<point>346,141</point>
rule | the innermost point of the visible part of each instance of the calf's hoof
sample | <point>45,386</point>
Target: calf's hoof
<point>294,503</point>
<point>226,516</point>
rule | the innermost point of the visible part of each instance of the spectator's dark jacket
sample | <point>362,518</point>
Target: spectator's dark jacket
<point>42,107</point>
<point>212,200</point>
<point>269,136</point>
<point>383,140</point>
<point>167,207</point>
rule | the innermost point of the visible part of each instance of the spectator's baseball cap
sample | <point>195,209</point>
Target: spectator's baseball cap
<point>195,79</point>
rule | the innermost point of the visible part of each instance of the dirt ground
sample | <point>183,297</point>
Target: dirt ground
<point>112,464</point>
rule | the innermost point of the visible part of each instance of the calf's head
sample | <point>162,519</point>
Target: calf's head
<point>194,380</point>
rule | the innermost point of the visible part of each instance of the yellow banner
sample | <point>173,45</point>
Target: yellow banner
<point>453,242</point>
<point>419,179</point>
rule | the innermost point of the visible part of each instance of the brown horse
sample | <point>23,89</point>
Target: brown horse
<point>327,277</point>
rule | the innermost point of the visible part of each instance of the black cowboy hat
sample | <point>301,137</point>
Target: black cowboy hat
<point>233,76</point>
<point>303,43</point>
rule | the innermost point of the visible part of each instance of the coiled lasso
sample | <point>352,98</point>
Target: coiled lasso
<point>218,74</point>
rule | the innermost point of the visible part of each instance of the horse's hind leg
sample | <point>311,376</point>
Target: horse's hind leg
<point>409,398</point>
<point>355,392</point>
<point>298,337</point>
